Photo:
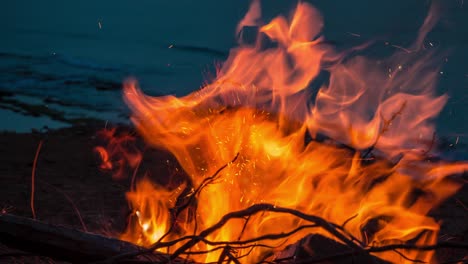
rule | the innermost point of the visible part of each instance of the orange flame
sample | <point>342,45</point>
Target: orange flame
<point>118,153</point>
<point>255,117</point>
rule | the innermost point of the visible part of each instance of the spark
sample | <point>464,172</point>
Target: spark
<point>461,203</point>
<point>171,46</point>
<point>400,47</point>
<point>99,24</point>
<point>354,34</point>
<point>33,176</point>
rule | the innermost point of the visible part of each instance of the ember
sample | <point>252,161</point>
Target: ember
<point>272,159</point>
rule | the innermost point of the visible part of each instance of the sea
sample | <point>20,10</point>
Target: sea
<point>63,62</point>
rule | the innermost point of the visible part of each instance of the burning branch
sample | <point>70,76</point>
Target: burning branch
<point>332,229</point>
<point>376,249</point>
<point>196,192</point>
<point>229,248</point>
<point>39,239</point>
<point>356,247</point>
<point>190,198</point>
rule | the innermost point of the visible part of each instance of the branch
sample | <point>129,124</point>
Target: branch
<point>177,211</point>
<point>333,229</point>
<point>270,208</point>
<point>377,249</point>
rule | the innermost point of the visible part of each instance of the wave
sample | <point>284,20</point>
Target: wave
<point>200,49</point>
<point>57,58</point>
<point>82,63</point>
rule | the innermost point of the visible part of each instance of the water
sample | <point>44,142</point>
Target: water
<point>63,62</point>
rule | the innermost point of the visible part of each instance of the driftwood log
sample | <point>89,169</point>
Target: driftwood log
<point>28,237</point>
<point>66,244</point>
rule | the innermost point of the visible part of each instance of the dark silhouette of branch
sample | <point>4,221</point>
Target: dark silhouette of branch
<point>230,248</point>
<point>191,197</point>
<point>270,208</point>
<point>176,212</point>
<point>405,257</point>
<point>349,219</point>
<point>446,244</point>
<point>356,249</point>
<point>376,249</point>
<point>244,227</point>
<point>204,252</point>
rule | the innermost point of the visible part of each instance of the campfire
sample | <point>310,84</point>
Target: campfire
<point>297,151</point>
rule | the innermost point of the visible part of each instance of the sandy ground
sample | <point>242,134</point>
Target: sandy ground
<point>67,176</point>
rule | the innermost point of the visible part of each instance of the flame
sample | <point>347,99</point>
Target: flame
<point>118,153</point>
<point>150,220</point>
<point>257,129</point>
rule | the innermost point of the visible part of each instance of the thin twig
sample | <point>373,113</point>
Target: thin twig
<point>355,248</point>
<point>368,250</point>
<point>349,219</point>
<point>75,208</point>
<point>244,227</point>
<point>204,252</point>
<point>231,257</point>
<point>405,257</point>
<point>270,208</point>
<point>446,244</point>
<point>177,211</point>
